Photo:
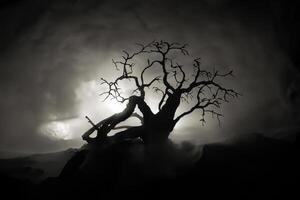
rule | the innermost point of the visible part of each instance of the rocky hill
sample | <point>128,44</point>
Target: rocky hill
<point>255,168</point>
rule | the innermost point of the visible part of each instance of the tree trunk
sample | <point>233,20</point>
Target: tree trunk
<point>159,126</point>
<point>155,129</point>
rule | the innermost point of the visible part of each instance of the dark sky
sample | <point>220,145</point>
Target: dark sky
<point>52,52</point>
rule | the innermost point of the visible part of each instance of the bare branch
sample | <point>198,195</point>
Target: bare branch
<point>123,127</point>
<point>106,125</point>
<point>152,81</point>
<point>218,94</point>
<point>149,65</point>
<point>179,68</point>
<point>138,116</point>
<point>164,94</point>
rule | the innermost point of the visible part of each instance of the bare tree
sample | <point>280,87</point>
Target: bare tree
<point>202,90</point>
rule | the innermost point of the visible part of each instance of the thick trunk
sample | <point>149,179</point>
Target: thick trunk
<point>169,109</point>
<point>155,128</point>
<point>160,125</point>
<point>158,128</point>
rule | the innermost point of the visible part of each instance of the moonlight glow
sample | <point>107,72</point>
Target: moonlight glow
<point>115,106</point>
<point>56,130</point>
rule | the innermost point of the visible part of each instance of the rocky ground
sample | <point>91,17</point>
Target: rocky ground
<point>255,168</point>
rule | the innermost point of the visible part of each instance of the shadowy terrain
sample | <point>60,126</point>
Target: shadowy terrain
<point>37,167</point>
<point>255,168</point>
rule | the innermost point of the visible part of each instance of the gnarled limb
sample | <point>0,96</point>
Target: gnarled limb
<point>219,94</point>
<point>110,123</point>
<point>133,132</point>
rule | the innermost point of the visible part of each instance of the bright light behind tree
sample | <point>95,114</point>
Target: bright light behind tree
<point>115,106</point>
<point>56,130</point>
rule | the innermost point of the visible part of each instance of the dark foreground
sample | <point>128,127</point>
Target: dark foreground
<point>256,169</point>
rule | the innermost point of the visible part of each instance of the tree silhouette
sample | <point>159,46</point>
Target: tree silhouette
<point>202,90</point>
